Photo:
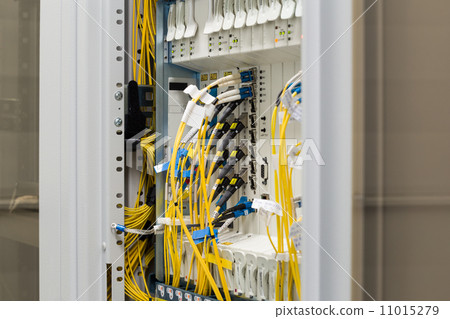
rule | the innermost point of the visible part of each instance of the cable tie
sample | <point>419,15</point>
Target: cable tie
<point>203,95</point>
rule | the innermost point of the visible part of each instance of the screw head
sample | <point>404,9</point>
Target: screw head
<point>118,95</point>
<point>118,122</point>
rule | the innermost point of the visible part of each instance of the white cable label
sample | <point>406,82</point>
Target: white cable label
<point>295,230</point>
<point>194,93</point>
<point>267,206</point>
<point>297,242</point>
<point>287,99</point>
<point>296,111</point>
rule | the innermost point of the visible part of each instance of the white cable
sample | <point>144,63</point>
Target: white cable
<point>189,135</point>
<point>229,99</point>
<point>230,83</point>
<point>228,93</point>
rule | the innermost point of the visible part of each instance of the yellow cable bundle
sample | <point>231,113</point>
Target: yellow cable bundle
<point>283,195</point>
<point>138,254</point>
<point>199,212</point>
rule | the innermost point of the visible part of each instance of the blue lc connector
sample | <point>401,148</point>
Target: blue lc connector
<point>246,92</point>
<point>247,76</point>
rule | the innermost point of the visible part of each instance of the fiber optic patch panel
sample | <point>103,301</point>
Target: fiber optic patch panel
<point>227,38</point>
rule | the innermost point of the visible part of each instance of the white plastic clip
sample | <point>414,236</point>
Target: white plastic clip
<point>299,9</point>
<point>194,93</point>
<point>241,14</point>
<point>262,280</point>
<point>239,273</point>
<point>228,19</point>
<point>274,10</point>
<point>171,26</point>
<point>288,9</point>
<point>250,278</point>
<point>209,22</point>
<point>252,13</point>
<point>263,11</point>
<point>218,16</point>
<point>179,33</point>
<point>189,19</point>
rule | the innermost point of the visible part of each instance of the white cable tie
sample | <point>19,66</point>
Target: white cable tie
<point>168,221</point>
<point>203,95</point>
<point>193,115</point>
<point>282,257</point>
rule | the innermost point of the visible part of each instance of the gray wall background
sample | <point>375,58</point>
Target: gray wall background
<point>402,175</point>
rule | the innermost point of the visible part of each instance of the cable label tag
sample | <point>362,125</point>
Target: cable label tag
<point>194,93</point>
<point>267,206</point>
<point>295,230</point>
<point>287,99</point>
<point>296,111</point>
<point>297,242</point>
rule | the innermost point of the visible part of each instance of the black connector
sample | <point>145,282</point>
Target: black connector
<point>252,121</point>
<point>253,167</point>
<point>253,136</point>
<point>252,183</point>
<point>220,161</point>
<point>236,155</point>
<point>221,186</point>
<point>236,182</point>
<point>228,110</point>
<point>235,128</point>
<point>252,106</point>
<point>217,109</point>
<point>222,128</point>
